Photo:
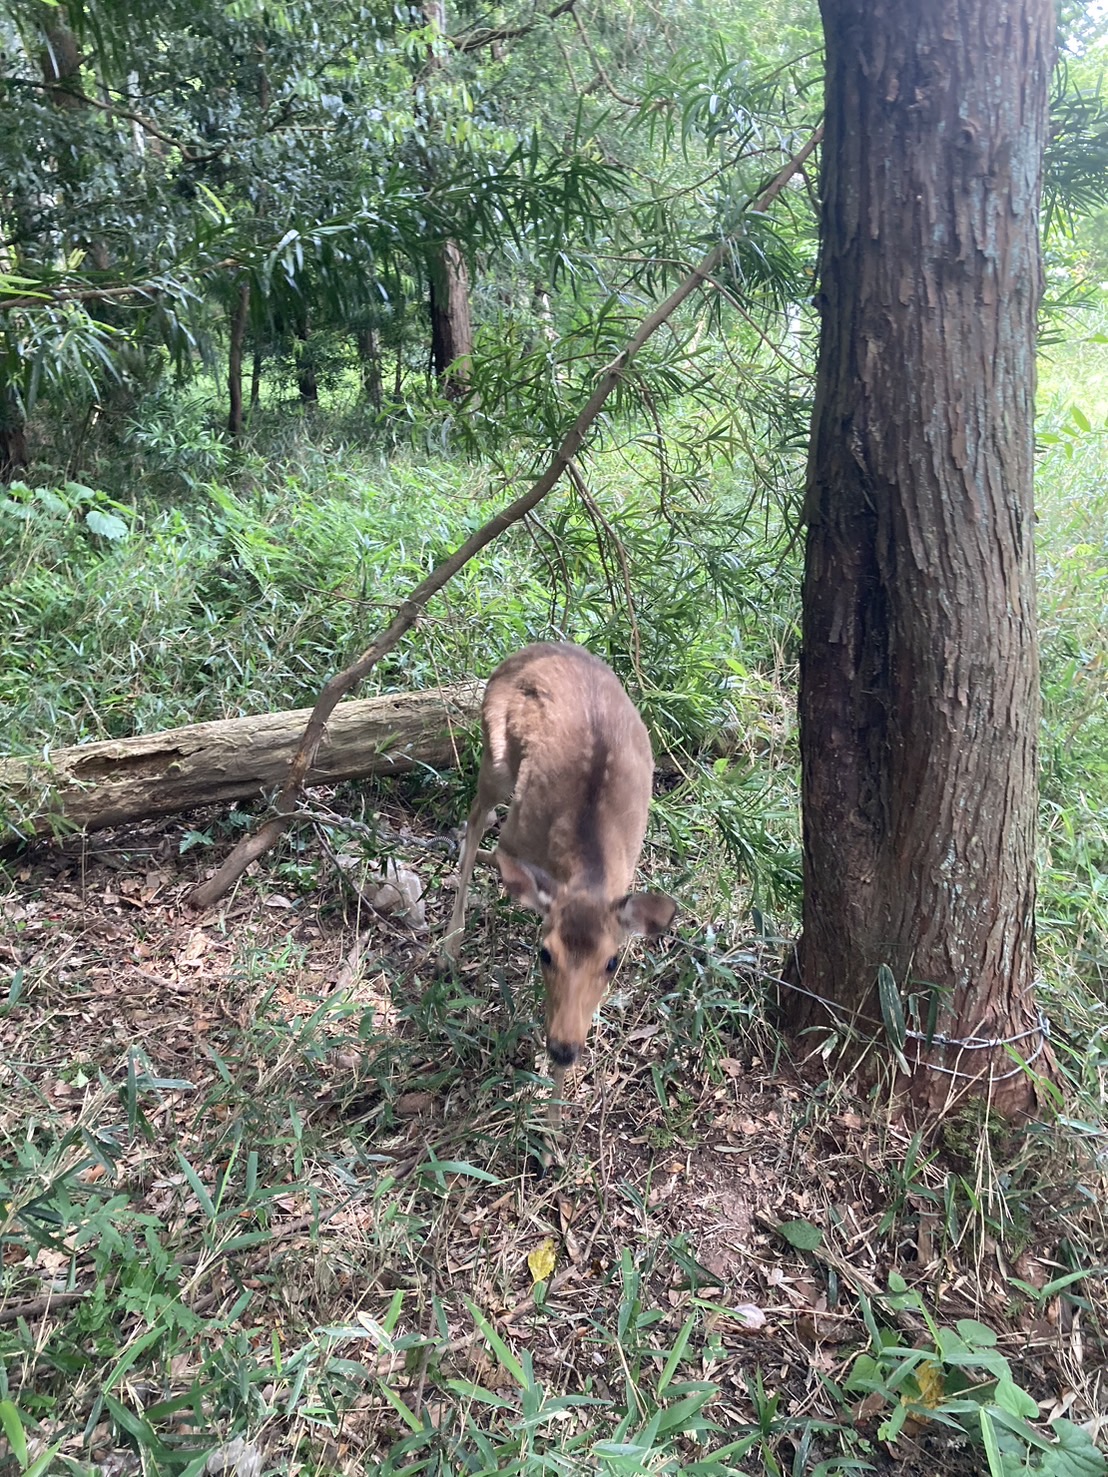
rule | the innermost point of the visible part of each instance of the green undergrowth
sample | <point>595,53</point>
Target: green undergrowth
<point>1072,542</point>
<point>128,617</point>
<point>242,586</point>
<point>124,618</point>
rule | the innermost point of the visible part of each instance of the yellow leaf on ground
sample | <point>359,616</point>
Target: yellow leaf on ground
<point>542,1260</point>
<point>930,1378</point>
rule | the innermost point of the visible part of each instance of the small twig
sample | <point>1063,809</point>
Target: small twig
<point>730,298</point>
<point>428,1350</point>
<point>384,915</point>
<point>348,969</point>
<point>378,833</point>
<point>599,532</point>
<point>598,65</point>
<point>660,441</point>
<point>861,1283</point>
<point>114,110</point>
<point>530,523</point>
<point>51,297</point>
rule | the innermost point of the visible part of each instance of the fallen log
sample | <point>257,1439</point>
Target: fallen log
<point>106,783</point>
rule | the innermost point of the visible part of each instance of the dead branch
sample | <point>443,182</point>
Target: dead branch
<point>91,786</point>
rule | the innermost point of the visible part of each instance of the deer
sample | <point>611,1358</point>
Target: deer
<point>565,748</point>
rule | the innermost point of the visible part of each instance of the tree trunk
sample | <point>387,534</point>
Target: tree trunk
<point>239,316</point>
<point>305,367</point>
<point>61,71</point>
<point>61,60</point>
<point>451,321</point>
<point>14,455</point>
<point>264,97</point>
<point>448,275</point>
<point>256,378</point>
<point>919,703</point>
<point>369,356</point>
<point>104,784</point>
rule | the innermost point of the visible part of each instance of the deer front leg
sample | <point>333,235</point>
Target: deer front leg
<point>554,1107</point>
<point>479,820</point>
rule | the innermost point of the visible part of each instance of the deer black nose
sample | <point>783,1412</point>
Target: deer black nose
<point>562,1053</point>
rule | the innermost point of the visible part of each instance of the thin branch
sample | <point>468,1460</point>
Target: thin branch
<point>647,399</point>
<point>113,109</point>
<point>250,848</point>
<point>783,176</point>
<point>381,836</point>
<point>730,298</point>
<point>192,153</point>
<point>55,296</point>
<point>530,523</point>
<point>492,34</point>
<point>37,1307</point>
<point>346,880</point>
<point>604,79</point>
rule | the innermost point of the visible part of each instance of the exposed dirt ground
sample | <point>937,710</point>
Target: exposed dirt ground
<point>690,1139</point>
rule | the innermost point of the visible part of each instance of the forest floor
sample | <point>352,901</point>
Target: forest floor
<point>278,1177</point>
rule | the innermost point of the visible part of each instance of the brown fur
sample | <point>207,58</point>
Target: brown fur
<point>564,744</point>
<point>581,921</point>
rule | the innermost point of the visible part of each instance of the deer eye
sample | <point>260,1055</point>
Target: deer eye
<point>612,964</point>
<point>544,955</point>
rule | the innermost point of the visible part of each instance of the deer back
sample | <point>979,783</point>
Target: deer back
<point>559,723</point>
<point>565,740</point>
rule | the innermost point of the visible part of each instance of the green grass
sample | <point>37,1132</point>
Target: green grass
<point>120,618</point>
<point>1072,546</point>
<point>245,600</point>
<point>238,582</point>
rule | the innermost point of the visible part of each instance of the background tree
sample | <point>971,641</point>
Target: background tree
<point>273,155</point>
<point>919,701</point>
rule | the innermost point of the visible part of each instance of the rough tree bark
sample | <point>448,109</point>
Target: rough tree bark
<point>919,704</point>
<point>306,380</point>
<point>14,453</point>
<point>369,358</point>
<point>61,71</point>
<point>264,99</point>
<point>451,320</point>
<point>256,378</point>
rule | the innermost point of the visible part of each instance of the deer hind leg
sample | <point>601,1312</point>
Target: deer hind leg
<point>490,792</point>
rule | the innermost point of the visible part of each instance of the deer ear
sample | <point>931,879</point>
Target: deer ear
<point>528,884</point>
<point>645,912</point>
